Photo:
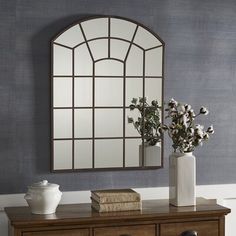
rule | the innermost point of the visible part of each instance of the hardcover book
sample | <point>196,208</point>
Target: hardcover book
<point>117,206</point>
<point>115,195</point>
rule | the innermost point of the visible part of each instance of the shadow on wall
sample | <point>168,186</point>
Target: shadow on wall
<point>41,67</point>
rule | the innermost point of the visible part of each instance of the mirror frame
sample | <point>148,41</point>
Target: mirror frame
<point>51,102</point>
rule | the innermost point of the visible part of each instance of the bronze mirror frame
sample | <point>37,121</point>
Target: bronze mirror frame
<point>124,107</point>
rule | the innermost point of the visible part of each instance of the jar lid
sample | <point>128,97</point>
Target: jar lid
<point>43,185</point>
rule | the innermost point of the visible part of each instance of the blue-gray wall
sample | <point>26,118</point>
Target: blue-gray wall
<point>200,69</point>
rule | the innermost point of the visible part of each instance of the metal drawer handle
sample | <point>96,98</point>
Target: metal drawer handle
<point>189,233</point>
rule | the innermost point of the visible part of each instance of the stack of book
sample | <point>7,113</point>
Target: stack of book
<point>115,200</point>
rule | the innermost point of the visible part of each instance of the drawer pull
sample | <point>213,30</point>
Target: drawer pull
<point>125,235</point>
<point>189,233</point>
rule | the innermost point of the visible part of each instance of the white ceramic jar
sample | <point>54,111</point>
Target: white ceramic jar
<point>43,197</point>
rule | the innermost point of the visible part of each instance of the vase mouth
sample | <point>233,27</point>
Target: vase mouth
<point>188,153</point>
<point>157,144</point>
<point>183,152</point>
<point>178,154</point>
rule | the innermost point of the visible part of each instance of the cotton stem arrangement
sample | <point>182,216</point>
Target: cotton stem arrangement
<point>184,132</point>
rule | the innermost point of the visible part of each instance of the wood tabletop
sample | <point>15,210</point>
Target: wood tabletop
<point>82,213</point>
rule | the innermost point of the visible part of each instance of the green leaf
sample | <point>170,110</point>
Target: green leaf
<point>130,120</point>
<point>134,101</point>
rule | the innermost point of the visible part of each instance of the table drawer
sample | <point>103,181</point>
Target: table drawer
<point>141,230</point>
<point>203,228</point>
<point>69,232</point>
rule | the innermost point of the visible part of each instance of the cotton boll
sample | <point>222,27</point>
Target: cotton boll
<point>204,111</point>
<point>210,130</point>
<point>206,136</point>
<point>182,108</point>
<point>172,103</point>
<point>187,107</point>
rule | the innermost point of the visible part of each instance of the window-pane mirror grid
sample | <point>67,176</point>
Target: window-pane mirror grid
<point>98,117</point>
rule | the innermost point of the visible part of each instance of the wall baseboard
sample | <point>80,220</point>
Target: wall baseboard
<point>219,192</point>
<point>10,200</point>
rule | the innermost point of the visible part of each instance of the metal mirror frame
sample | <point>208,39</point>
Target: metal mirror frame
<point>124,107</point>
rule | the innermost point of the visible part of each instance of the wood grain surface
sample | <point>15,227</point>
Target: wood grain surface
<point>157,218</point>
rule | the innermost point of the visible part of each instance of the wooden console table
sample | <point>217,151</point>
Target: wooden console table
<point>157,218</point>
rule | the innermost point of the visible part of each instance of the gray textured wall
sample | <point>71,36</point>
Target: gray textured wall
<point>200,69</point>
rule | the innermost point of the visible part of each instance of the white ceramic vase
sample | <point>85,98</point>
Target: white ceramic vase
<point>43,197</point>
<point>152,155</point>
<point>182,179</point>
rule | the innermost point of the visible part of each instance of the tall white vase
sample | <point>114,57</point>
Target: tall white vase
<point>182,179</point>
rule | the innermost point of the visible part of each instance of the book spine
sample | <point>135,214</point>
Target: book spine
<point>123,206</point>
<point>117,198</point>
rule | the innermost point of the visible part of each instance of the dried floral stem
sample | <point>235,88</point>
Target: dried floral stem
<point>185,134</point>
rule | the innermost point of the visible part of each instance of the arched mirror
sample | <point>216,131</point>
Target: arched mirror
<point>98,66</point>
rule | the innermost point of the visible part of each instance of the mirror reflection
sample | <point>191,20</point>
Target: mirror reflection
<point>108,157</point>
<point>83,123</point>
<point>134,62</point>
<point>132,152</point>
<point>108,91</point>
<point>99,48</point>
<point>63,153</point>
<point>62,123</point>
<point>83,90</point>
<point>98,66</point>
<point>83,154</point>
<point>83,64</point>
<point>108,123</point>
<point>62,92</point>
<point>62,62</point>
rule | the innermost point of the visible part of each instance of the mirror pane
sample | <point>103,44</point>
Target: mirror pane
<point>134,89</point>
<point>119,49</point>
<point>83,63</point>
<point>95,28</point>
<point>108,122</point>
<point>109,67</point>
<point>108,153</point>
<point>62,60</point>
<point>132,152</point>
<point>130,131</point>
<point>122,29</point>
<point>83,123</point>
<point>83,154</point>
<point>108,91</point>
<point>153,89</point>
<point>83,92</point>
<point>62,90</point>
<point>71,37</point>
<point>134,63</point>
<point>153,62</point>
<point>99,48</point>
<point>62,126</point>
<point>62,152</point>
<point>145,39</point>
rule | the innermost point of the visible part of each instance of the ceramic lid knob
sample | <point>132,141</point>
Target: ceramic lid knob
<point>44,182</point>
